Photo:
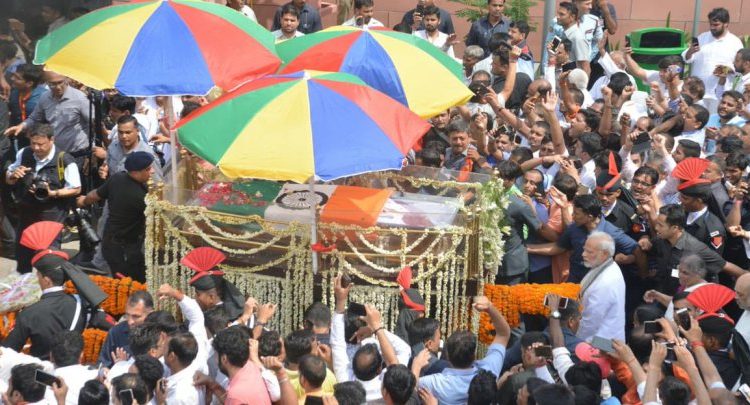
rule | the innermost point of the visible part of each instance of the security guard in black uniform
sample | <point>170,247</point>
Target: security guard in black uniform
<point>618,205</point>
<point>695,196</point>
<point>45,179</point>
<point>55,311</point>
<point>211,288</point>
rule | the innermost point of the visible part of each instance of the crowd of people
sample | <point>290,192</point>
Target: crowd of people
<point>639,196</point>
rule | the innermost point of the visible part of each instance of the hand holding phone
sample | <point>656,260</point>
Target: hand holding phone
<point>683,318</point>
<point>602,344</point>
<point>46,378</point>
<point>543,351</point>
<point>652,327</point>
<point>556,41</point>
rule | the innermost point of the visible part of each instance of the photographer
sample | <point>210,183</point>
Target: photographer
<point>122,244</point>
<point>44,180</point>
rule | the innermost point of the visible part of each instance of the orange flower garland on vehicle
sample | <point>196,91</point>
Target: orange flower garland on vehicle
<point>7,321</point>
<point>512,301</point>
<point>117,290</point>
<point>93,339</point>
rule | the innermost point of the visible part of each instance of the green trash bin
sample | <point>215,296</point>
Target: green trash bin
<point>650,45</point>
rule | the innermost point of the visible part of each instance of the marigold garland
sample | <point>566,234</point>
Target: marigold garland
<point>7,321</point>
<point>512,301</point>
<point>117,290</point>
<point>92,344</point>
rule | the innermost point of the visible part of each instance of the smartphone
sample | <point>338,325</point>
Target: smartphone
<point>163,385</point>
<point>602,344</point>
<point>652,327</point>
<point>675,69</point>
<point>643,137</point>
<point>357,309</point>
<point>563,301</point>
<point>627,41</point>
<point>126,397</point>
<point>577,163</point>
<point>556,41</point>
<point>694,41</point>
<point>543,351</point>
<point>46,378</point>
<point>683,318</point>
<point>745,390</point>
<point>419,10</point>
<point>543,92</point>
<point>478,89</point>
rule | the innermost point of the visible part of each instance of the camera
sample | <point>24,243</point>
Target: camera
<point>82,220</point>
<point>40,184</point>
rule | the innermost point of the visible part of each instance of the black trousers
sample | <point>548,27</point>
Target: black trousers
<point>125,257</point>
<point>27,216</point>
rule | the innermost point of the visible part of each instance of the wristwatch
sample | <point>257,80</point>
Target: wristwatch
<point>555,315</point>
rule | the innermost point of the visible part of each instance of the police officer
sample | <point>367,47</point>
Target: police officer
<point>703,224</point>
<point>55,311</point>
<point>211,288</point>
<point>45,180</point>
<point>674,242</point>
<point>617,202</point>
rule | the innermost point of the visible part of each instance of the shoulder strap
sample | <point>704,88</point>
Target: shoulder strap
<point>61,167</point>
<point>77,314</point>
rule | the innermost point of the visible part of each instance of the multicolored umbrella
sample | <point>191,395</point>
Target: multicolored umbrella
<point>168,47</point>
<point>301,126</point>
<point>409,69</point>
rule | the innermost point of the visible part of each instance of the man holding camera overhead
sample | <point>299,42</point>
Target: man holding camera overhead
<point>45,178</point>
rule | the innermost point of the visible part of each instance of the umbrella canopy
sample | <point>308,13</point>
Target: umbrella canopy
<point>169,47</point>
<point>411,70</point>
<point>302,125</point>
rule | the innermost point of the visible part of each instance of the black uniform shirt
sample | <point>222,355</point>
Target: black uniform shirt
<point>41,321</point>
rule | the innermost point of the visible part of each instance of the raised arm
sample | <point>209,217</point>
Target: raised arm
<point>633,66</point>
<point>549,103</point>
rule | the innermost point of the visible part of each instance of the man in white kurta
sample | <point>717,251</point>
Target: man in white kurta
<point>717,47</point>
<point>602,291</point>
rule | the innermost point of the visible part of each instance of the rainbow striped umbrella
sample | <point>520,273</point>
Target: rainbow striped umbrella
<point>302,126</point>
<point>166,47</point>
<point>409,69</point>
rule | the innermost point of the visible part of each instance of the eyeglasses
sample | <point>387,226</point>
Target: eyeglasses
<point>641,183</point>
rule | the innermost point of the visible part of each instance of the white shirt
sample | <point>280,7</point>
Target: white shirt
<point>604,306</point>
<point>279,35</point>
<point>610,68</point>
<point>180,388</point>
<point>588,177</point>
<point>693,216</point>
<point>119,368</point>
<point>713,52</point>
<point>70,175</point>
<point>581,50</point>
<point>75,377</point>
<point>743,325</point>
<point>248,12</point>
<point>734,82</point>
<point>352,22</point>
<point>698,136</point>
<point>439,41</point>
<point>342,363</point>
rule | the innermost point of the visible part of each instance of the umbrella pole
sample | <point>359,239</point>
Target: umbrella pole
<point>169,112</point>
<point>314,226</point>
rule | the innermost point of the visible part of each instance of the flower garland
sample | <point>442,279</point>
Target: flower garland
<point>92,344</point>
<point>512,301</point>
<point>117,290</point>
<point>7,321</point>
